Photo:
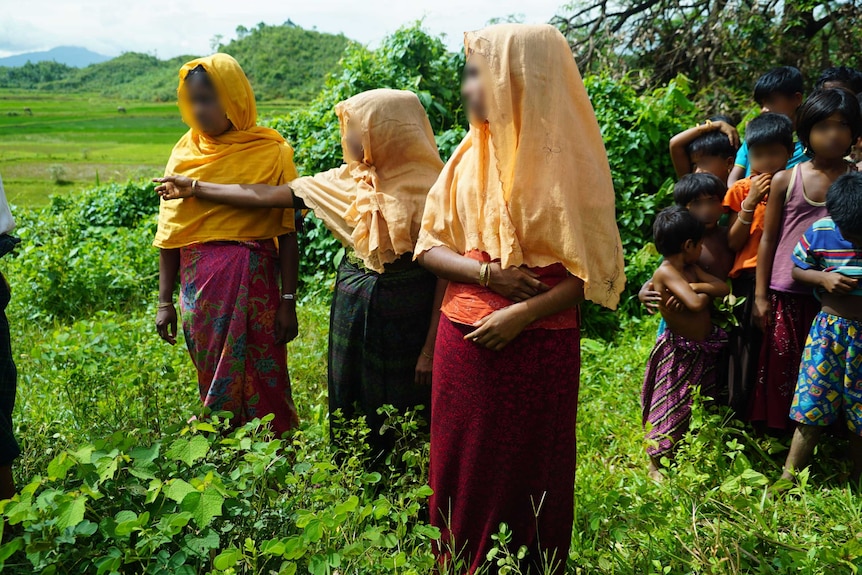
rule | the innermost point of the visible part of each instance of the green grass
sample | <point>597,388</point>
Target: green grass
<point>72,141</point>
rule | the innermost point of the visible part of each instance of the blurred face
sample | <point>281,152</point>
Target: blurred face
<point>781,104</point>
<point>707,209</point>
<point>473,92</point>
<point>353,142</point>
<point>831,138</point>
<point>691,251</point>
<point>206,108</point>
<point>715,165</point>
<point>768,158</point>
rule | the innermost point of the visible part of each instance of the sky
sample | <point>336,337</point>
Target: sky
<point>168,28</point>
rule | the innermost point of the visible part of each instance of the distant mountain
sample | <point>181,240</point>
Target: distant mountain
<point>73,56</point>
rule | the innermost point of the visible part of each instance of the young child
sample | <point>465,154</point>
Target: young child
<point>702,195</point>
<point>840,77</point>
<point>778,91</point>
<point>829,258</point>
<point>710,147</point>
<point>829,122</point>
<point>685,354</point>
<point>769,139</point>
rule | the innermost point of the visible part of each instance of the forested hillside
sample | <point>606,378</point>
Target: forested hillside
<point>282,61</point>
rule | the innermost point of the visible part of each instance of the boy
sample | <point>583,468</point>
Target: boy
<point>829,258</point>
<point>710,147</point>
<point>778,91</point>
<point>769,139</point>
<point>840,77</point>
<point>702,194</point>
<point>685,354</point>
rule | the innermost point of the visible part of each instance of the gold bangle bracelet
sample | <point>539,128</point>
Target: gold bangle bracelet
<point>165,304</point>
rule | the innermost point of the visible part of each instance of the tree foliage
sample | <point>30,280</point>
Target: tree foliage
<point>722,45</point>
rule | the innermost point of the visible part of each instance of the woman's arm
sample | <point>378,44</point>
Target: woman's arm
<point>426,358</point>
<point>768,245</point>
<point>286,323</point>
<point>166,317</point>
<point>496,330</point>
<point>516,284</point>
<point>679,143</point>
<point>240,195</point>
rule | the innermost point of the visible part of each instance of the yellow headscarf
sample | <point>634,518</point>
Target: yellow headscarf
<point>374,204</point>
<point>249,154</point>
<point>531,185</point>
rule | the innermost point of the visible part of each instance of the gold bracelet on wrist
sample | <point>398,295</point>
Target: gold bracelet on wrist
<point>485,274</point>
<point>165,305</point>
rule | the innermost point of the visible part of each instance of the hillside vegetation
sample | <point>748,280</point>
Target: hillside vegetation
<point>282,62</point>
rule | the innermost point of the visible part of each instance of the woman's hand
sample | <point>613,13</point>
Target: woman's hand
<point>516,284</point>
<point>650,298</point>
<point>174,187</point>
<point>760,312</point>
<point>286,323</point>
<point>166,324</point>
<point>424,367</point>
<point>496,330</point>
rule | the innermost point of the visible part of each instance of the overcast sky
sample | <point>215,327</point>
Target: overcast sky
<point>170,28</point>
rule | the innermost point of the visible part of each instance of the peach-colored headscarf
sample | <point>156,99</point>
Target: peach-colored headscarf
<point>532,184</point>
<point>374,204</point>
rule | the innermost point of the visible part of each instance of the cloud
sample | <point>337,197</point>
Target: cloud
<point>168,28</point>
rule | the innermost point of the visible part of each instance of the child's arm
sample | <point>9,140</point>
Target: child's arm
<point>679,143</point>
<point>681,291</point>
<point>650,298</point>
<point>741,220</point>
<point>830,282</point>
<point>240,195</point>
<point>768,245</point>
<point>736,174</point>
<point>709,284</point>
<point>740,166</point>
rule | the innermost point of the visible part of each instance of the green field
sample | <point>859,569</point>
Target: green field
<point>73,140</point>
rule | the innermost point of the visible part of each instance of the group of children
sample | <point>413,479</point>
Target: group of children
<point>781,219</point>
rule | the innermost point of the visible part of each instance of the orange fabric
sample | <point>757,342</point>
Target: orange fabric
<point>374,204</point>
<point>249,153</point>
<point>468,303</point>
<point>746,258</point>
<point>531,185</point>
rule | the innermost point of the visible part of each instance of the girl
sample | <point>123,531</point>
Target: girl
<point>381,339</point>
<point>522,224</point>
<point>828,124</point>
<point>234,321</point>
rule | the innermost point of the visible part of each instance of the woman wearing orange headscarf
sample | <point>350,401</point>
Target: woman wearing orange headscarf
<point>522,224</point>
<point>382,334</point>
<point>236,323</point>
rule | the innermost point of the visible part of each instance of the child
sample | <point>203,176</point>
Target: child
<point>685,355</point>
<point>778,91</point>
<point>829,258</point>
<point>710,147</point>
<point>840,77</point>
<point>702,195</point>
<point>769,139</point>
<point>829,122</point>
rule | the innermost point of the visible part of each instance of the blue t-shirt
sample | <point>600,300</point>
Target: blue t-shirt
<point>797,158</point>
<point>823,248</point>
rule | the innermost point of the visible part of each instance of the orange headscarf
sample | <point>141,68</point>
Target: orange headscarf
<point>531,185</point>
<point>249,153</point>
<point>374,204</point>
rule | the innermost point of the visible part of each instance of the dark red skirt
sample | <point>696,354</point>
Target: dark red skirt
<point>503,443</point>
<point>780,356</point>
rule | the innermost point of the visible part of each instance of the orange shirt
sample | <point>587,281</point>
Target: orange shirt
<point>468,303</point>
<point>746,258</point>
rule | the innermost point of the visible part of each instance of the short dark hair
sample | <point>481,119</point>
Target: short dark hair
<point>693,186</point>
<point>822,104</point>
<point>770,128</point>
<point>844,75</point>
<point>673,227</point>
<point>844,203</point>
<point>784,80</point>
<point>714,143</point>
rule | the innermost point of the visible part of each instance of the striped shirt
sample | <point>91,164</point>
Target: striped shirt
<point>823,248</point>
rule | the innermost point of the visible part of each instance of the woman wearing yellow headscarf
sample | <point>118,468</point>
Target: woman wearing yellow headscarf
<point>522,223</point>
<point>236,323</point>
<point>381,339</point>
